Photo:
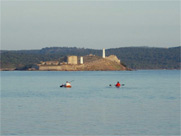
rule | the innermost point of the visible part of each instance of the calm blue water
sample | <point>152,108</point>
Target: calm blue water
<point>32,103</point>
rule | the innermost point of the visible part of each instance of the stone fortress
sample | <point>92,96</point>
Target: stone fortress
<point>91,63</point>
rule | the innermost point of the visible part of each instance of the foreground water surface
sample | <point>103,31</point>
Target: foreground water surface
<point>32,103</point>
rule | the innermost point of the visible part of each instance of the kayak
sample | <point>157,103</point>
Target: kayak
<point>116,86</point>
<point>65,86</point>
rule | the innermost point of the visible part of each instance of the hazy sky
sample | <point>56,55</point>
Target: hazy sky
<point>31,24</point>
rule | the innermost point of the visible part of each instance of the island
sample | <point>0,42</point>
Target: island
<point>83,63</point>
<point>91,63</point>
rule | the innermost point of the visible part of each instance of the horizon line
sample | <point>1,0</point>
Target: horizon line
<point>88,48</point>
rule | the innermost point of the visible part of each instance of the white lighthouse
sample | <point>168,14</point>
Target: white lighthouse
<point>103,53</point>
<point>81,60</point>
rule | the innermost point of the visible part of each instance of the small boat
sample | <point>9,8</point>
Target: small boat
<point>118,86</point>
<point>65,86</point>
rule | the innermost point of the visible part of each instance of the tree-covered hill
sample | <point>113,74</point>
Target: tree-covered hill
<point>148,58</point>
<point>133,57</point>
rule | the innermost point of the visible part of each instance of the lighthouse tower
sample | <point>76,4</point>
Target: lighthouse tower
<point>103,53</point>
<point>81,60</point>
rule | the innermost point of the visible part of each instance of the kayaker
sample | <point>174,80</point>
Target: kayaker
<point>68,84</point>
<point>118,84</point>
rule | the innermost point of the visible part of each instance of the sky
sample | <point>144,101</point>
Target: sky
<point>30,24</point>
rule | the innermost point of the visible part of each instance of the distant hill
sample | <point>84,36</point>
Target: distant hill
<point>148,58</point>
<point>132,57</point>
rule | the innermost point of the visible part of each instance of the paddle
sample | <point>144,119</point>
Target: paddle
<point>62,86</point>
<point>71,81</point>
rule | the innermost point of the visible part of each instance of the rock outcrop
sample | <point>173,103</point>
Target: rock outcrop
<point>113,58</point>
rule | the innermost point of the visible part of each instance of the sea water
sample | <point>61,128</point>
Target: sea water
<point>32,103</point>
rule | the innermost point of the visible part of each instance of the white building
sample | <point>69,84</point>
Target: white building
<point>103,53</point>
<point>81,60</point>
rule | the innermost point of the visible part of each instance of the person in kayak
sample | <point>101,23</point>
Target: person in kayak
<point>67,84</point>
<point>118,84</point>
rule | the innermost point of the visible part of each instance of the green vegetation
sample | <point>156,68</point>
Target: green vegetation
<point>132,57</point>
<point>148,58</point>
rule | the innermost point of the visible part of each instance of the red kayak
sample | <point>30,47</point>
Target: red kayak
<point>118,86</point>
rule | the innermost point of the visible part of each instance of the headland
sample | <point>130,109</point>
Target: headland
<point>83,63</point>
<point>78,63</point>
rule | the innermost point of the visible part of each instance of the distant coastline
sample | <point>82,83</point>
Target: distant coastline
<point>130,57</point>
<point>91,63</point>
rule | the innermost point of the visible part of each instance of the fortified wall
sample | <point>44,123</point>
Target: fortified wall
<point>71,64</point>
<point>50,63</point>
